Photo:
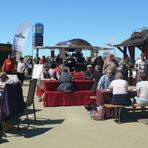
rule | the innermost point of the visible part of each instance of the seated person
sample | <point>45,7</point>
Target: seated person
<point>43,75</point>
<point>70,63</point>
<point>58,69</point>
<point>120,90</point>
<point>96,76</point>
<point>65,79</point>
<point>89,72</point>
<point>142,90</point>
<point>105,80</point>
<point>3,80</point>
<point>52,72</point>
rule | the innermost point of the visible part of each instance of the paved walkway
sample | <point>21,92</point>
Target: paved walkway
<point>71,127</point>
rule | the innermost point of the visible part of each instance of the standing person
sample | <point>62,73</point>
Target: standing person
<point>125,67</point>
<point>21,70</point>
<point>43,76</point>
<point>111,63</point>
<point>43,60</point>
<point>58,59</point>
<point>36,59</point>
<point>120,90</point>
<point>96,76</point>
<point>141,65</point>
<point>142,90</point>
<point>29,65</point>
<point>8,65</point>
<point>99,61</point>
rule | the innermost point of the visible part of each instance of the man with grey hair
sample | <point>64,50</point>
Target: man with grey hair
<point>110,63</point>
<point>3,79</point>
<point>106,79</point>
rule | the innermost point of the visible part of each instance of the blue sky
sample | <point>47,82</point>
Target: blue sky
<point>97,21</point>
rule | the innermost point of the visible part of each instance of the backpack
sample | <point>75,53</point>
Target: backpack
<point>99,113</point>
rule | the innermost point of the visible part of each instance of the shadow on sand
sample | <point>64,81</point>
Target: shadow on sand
<point>128,116</point>
<point>36,128</point>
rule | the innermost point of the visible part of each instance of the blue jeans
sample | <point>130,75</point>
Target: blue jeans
<point>140,101</point>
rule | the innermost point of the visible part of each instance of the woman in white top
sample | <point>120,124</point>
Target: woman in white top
<point>120,90</point>
<point>142,90</point>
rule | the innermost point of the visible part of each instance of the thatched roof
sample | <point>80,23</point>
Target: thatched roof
<point>137,38</point>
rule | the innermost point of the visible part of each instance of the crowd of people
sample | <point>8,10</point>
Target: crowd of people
<point>114,77</point>
<point>107,74</point>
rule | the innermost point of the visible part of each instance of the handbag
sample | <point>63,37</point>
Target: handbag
<point>99,113</point>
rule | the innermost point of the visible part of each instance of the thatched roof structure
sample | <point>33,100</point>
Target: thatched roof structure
<point>137,40</point>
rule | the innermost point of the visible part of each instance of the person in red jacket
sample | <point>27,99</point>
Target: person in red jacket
<point>43,60</point>
<point>8,65</point>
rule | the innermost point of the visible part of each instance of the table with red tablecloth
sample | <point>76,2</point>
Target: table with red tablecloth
<point>52,85</point>
<point>78,75</point>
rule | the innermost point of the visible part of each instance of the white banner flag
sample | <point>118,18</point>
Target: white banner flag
<point>20,38</point>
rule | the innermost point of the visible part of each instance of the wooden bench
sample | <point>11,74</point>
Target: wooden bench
<point>117,110</point>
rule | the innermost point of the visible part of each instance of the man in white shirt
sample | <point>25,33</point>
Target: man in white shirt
<point>142,90</point>
<point>141,65</point>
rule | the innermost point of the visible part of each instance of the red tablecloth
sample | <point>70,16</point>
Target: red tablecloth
<point>103,97</point>
<point>78,77</point>
<point>77,73</point>
<point>51,85</point>
<point>39,91</point>
<point>53,98</point>
<point>81,96</point>
<point>83,84</point>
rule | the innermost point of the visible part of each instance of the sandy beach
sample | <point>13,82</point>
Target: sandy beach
<point>71,127</point>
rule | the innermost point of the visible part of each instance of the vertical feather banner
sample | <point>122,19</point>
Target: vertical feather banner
<point>20,38</point>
